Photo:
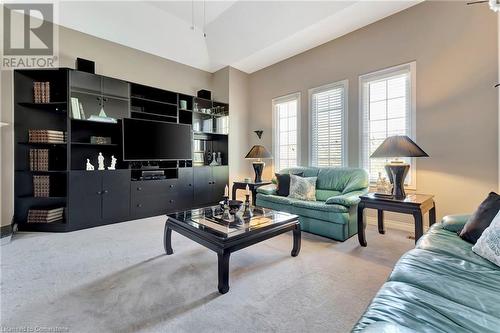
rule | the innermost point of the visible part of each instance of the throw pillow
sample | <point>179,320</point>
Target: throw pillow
<point>303,188</point>
<point>284,183</point>
<point>488,245</point>
<point>481,218</point>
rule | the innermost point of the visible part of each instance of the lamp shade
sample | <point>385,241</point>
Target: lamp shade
<point>258,151</point>
<point>398,146</point>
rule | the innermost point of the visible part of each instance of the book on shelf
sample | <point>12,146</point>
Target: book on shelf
<point>39,159</point>
<point>41,186</point>
<point>46,136</point>
<point>41,92</point>
<point>45,215</point>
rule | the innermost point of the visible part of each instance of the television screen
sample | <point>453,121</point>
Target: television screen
<point>146,140</point>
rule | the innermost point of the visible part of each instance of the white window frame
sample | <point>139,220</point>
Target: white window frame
<point>380,74</point>
<point>345,148</point>
<point>275,146</point>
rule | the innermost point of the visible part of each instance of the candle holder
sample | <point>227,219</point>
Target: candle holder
<point>226,216</point>
<point>247,212</point>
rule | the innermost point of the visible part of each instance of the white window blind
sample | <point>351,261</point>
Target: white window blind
<point>285,131</point>
<point>328,124</point>
<point>387,109</point>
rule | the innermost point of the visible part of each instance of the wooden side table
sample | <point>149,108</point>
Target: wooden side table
<point>414,204</point>
<point>251,185</point>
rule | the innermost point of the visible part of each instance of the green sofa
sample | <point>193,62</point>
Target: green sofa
<point>334,214</point>
<point>440,286</point>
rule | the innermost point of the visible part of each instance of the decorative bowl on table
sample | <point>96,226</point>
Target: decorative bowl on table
<point>234,206</point>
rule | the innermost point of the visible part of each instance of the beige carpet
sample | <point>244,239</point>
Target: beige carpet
<point>116,278</point>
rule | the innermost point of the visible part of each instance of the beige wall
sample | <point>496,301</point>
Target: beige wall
<point>456,50</point>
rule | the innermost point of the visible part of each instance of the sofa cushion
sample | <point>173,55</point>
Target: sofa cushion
<point>347,199</point>
<point>323,195</point>
<point>306,171</point>
<point>277,199</point>
<point>302,188</point>
<point>321,206</point>
<point>343,180</point>
<point>481,218</point>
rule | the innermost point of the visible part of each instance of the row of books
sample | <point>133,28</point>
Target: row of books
<point>46,136</point>
<point>45,215</point>
<point>39,159</point>
<point>41,186</point>
<point>41,92</point>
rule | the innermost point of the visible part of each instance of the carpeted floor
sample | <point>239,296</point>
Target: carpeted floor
<point>117,278</point>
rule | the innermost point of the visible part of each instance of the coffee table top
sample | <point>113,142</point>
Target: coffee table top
<point>208,220</point>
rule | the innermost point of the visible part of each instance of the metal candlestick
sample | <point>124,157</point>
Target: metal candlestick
<point>226,216</point>
<point>247,213</point>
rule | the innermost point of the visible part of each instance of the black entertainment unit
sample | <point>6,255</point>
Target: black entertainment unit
<point>81,114</point>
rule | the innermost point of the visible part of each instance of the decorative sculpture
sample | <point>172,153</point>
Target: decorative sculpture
<point>89,167</point>
<point>214,159</point>
<point>100,161</point>
<point>113,163</point>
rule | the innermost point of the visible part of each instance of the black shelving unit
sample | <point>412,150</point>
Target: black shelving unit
<point>98,197</point>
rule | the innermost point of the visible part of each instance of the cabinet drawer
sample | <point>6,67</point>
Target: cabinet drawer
<point>155,187</point>
<point>150,205</point>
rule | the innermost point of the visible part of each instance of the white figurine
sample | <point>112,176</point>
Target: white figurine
<point>113,163</point>
<point>214,159</point>
<point>89,166</point>
<point>100,161</point>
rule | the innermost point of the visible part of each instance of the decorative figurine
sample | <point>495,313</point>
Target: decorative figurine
<point>100,161</point>
<point>113,163</point>
<point>219,158</point>
<point>247,212</point>
<point>89,167</point>
<point>214,159</point>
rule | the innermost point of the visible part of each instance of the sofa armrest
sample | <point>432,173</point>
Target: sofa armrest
<point>347,199</point>
<point>268,189</point>
<point>454,223</point>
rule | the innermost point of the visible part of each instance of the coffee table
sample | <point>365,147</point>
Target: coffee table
<point>206,227</point>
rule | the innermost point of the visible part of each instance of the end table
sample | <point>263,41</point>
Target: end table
<point>414,204</point>
<point>251,185</point>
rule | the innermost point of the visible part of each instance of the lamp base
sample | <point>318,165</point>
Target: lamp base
<point>397,175</point>
<point>258,167</point>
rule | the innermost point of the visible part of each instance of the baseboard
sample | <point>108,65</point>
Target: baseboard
<point>5,234</point>
<point>392,224</point>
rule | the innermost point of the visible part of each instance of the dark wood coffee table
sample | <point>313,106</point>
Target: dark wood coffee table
<point>205,227</point>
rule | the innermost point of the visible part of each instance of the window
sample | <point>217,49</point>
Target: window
<point>286,131</point>
<point>328,124</point>
<point>387,108</point>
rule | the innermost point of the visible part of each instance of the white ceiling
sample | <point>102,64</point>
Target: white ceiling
<point>247,35</point>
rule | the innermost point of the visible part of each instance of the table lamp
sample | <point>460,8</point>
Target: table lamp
<point>395,147</point>
<point>258,152</point>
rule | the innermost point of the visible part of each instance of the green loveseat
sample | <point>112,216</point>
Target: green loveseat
<point>440,286</point>
<point>334,214</point>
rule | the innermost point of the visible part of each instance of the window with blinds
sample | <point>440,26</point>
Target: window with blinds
<point>388,108</point>
<point>328,124</point>
<point>286,131</point>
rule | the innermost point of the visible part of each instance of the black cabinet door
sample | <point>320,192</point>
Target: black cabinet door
<point>202,181</point>
<point>115,195</point>
<point>85,204</point>
<point>115,107</point>
<point>185,191</point>
<point>85,81</point>
<point>220,176</point>
<point>115,87</point>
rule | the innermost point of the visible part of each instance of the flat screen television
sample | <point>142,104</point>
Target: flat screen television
<point>148,140</point>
